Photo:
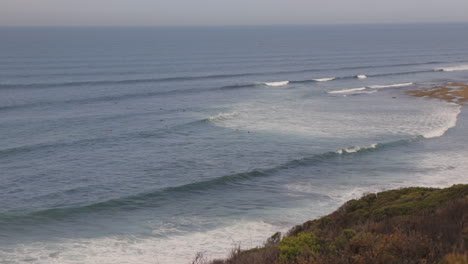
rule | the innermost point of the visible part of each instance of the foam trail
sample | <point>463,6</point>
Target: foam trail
<point>222,116</point>
<point>356,149</point>
<point>451,122</point>
<point>361,92</point>
<point>276,83</point>
<point>347,90</point>
<point>325,79</point>
<point>455,68</point>
<point>390,85</point>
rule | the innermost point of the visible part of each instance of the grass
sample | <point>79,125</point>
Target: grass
<point>411,225</point>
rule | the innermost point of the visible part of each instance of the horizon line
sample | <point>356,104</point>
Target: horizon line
<point>229,25</point>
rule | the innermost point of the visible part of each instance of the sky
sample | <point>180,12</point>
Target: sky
<point>226,12</point>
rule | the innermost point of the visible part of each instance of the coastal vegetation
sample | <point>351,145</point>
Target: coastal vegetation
<point>410,225</point>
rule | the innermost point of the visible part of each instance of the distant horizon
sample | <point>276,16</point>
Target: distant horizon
<point>233,25</point>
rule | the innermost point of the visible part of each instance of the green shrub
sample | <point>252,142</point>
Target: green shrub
<point>406,226</point>
<point>305,243</point>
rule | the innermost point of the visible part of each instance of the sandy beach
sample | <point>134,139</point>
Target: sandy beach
<point>452,92</point>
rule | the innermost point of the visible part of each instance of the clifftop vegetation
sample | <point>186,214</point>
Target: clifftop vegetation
<point>411,225</point>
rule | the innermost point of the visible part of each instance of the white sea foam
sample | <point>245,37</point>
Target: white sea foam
<point>339,193</point>
<point>276,83</point>
<point>365,92</point>
<point>325,79</point>
<point>356,149</point>
<point>361,76</point>
<point>181,248</point>
<point>455,68</point>
<point>357,117</point>
<point>347,90</point>
<point>390,85</point>
<point>222,116</point>
<point>450,122</point>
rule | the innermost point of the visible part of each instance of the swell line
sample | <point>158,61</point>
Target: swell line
<point>8,152</point>
<point>202,77</point>
<point>127,81</point>
<point>158,197</point>
<point>191,90</point>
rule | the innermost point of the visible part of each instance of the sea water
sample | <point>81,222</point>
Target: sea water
<point>148,145</point>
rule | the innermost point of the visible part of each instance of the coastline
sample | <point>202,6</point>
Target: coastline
<point>303,243</point>
<point>409,225</point>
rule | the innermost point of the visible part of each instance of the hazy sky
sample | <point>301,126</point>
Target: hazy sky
<point>228,12</point>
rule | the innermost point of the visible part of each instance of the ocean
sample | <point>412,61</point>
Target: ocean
<point>148,145</point>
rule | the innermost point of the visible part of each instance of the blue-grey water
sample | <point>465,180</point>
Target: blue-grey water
<point>148,145</point>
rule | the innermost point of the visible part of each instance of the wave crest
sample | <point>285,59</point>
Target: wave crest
<point>276,83</point>
<point>390,85</point>
<point>347,90</point>
<point>454,68</point>
<point>357,149</point>
<point>154,199</point>
<point>325,79</point>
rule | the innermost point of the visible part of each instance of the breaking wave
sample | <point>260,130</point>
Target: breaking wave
<point>451,122</point>
<point>356,149</point>
<point>362,89</point>
<point>277,83</point>
<point>360,76</point>
<point>347,90</point>
<point>390,85</point>
<point>155,198</point>
<point>455,68</point>
<point>325,79</point>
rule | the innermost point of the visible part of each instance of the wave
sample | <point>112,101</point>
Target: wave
<point>191,78</point>
<point>390,85</point>
<point>347,90</point>
<point>120,73</point>
<point>356,149</point>
<point>127,81</point>
<point>155,93</point>
<point>233,75</point>
<point>8,152</point>
<point>281,83</point>
<point>365,92</point>
<point>154,199</point>
<point>117,97</point>
<point>222,116</point>
<point>362,89</point>
<point>455,68</point>
<point>325,79</point>
<point>360,76</point>
<point>452,122</point>
<point>237,86</point>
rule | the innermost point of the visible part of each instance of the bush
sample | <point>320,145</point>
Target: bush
<point>410,226</point>
<point>303,244</point>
